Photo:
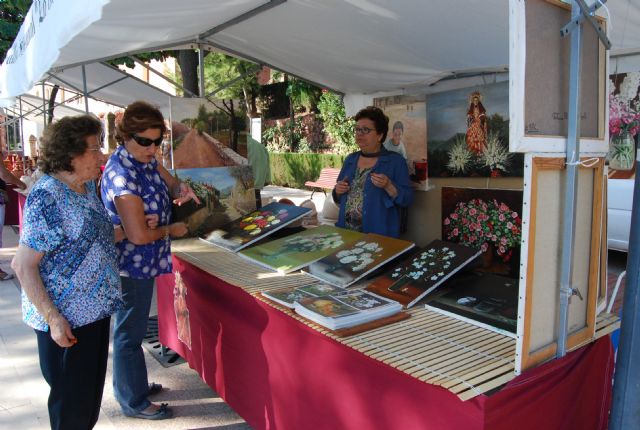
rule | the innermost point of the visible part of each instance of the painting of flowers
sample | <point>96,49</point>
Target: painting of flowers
<point>289,296</point>
<point>255,225</point>
<point>301,249</point>
<point>353,261</point>
<point>488,220</point>
<point>624,122</point>
<point>468,133</point>
<point>423,271</point>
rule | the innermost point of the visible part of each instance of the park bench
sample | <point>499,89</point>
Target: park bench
<point>326,180</point>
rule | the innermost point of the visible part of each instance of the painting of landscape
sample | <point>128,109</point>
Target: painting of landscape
<point>468,133</point>
<point>301,249</point>
<point>225,193</point>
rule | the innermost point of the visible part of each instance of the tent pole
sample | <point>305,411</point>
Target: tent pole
<point>44,105</point>
<point>201,67</point>
<point>234,80</point>
<point>155,72</point>
<point>571,187</point>
<point>84,89</point>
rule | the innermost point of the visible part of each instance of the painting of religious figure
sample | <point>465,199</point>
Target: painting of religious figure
<point>468,133</point>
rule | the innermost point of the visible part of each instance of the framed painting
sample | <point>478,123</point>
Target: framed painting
<point>408,134</point>
<point>468,133</point>
<point>539,80</point>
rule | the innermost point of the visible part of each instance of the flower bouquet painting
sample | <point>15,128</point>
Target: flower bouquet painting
<point>423,271</point>
<point>351,262</point>
<point>254,226</point>
<point>301,249</point>
<point>487,220</point>
<point>624,120</point>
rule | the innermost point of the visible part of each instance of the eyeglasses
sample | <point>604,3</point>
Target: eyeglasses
<point>98,149</point>
<point>363,130</point>
<point>145,141</point>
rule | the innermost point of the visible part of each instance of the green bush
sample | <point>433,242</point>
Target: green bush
<point>336,124</point>
<point>290,169</point>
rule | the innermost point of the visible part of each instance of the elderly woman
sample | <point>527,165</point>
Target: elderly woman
<point>66,264</point>
<point>134,187</point>
<point>373,185</point>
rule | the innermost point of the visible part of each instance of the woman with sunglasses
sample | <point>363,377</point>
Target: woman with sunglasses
<point>134,188</point>
<point>373,187</point>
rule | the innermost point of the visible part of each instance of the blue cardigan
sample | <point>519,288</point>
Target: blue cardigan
<point>380,213</point>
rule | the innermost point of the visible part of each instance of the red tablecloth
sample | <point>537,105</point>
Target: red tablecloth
<point>278,373</point>
<point>11,216</point>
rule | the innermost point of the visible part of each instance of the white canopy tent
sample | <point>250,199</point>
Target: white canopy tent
<point>354,46</point>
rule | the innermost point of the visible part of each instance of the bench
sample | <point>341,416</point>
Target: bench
<point>326,181</point>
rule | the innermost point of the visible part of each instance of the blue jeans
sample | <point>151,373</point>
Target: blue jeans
<point>130,384</point>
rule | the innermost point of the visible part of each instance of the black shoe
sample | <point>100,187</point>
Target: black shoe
<point>154,389</point>
<point>162,413</point>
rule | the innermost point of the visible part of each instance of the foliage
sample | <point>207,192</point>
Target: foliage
<point>293,170</point>
<point>479,224</point>
<point>283,138</point>
<point>340,128</point>
<point>12,13</point>
<point>303,94</point>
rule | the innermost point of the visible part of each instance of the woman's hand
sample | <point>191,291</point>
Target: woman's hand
<point>152,220</point>
<point>178,229</point>
<point>183,194</point>
<point>342,187</point>
<point>381,180</point>
<point>61,331</point>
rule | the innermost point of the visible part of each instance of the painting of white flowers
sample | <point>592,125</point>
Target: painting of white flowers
<point>301,249</point>
<point>254,226</point>
<point>423,271</point>
<point>468,133</point>
<point>351,262</point>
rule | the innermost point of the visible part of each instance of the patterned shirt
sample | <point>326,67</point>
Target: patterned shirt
<point>126,175</point>
<point>79,268</point>
<point>355,200</point>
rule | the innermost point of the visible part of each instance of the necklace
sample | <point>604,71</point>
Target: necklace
<point>371,154</point>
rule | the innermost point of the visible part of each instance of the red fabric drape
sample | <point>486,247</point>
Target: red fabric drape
<point>278,373</point>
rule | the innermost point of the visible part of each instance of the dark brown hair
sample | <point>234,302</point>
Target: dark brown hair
<point>138,117</point>
<point>65,140</point>
<point>380,120</point>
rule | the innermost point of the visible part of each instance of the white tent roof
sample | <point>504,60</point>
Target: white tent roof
<point>354,46</point>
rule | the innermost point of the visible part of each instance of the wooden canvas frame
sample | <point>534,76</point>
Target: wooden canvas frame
<point>529,326</point>
<point>521,138</point>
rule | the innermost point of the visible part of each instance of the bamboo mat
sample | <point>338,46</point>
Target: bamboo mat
<point>434,348</point>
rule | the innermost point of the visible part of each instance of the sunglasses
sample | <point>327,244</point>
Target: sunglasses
<point>145,141</point>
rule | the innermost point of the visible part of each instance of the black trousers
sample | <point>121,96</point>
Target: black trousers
<point>75,375</point>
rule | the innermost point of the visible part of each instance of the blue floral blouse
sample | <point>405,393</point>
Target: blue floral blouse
<point>126,175</point>
<point>79,268</point>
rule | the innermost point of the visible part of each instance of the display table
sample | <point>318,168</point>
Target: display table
<point>279,373</point>
<point>11,214</point>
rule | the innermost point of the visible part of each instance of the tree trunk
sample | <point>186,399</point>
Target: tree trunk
<point>188,61</point>
<point>52,102</point>
<point>233,127</point>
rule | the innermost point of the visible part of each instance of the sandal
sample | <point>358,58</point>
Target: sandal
<point>154,389</point>
<point>162,413</point>
<point>4,276</point>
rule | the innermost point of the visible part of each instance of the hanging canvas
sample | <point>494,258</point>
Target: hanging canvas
<point>488,219</point>
<point>407,133</point>
<point>225,193</point>
<point>624,123</point>
<point>254,226</point>
<point>468,133</point>
<point>199,136</point>
<point>301,249</point>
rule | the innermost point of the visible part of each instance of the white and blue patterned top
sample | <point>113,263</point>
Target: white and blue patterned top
<point>125,175</point>
<point>79,268</point>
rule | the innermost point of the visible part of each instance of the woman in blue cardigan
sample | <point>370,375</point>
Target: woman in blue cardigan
<point>373,185</point>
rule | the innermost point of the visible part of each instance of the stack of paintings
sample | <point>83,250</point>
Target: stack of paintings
<point>423,271</point>
<point>289,296</point>
<point>300,249</point>
<point>254,226</point>
<point>346,309</point>
<point>353,261</point>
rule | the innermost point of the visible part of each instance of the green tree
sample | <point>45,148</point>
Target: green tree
<point>12,13</point>
<point>340,128</point>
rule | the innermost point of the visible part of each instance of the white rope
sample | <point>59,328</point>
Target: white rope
<point>589,162</point>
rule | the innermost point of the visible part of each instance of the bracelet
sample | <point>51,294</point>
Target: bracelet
<point>48,315</point>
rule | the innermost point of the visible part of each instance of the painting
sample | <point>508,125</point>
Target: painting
<point>254,226</point>
<point>468,133</point>
<point>289,296</point>
<point>484,299</point>
<point>182,311</point>
<point>423,271</point>
<point>624,120</point>
<point>301,249</point>
<point>225,193</point>
<point>351,262</point>
<point>407,133</point>
<point>488,219</point>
